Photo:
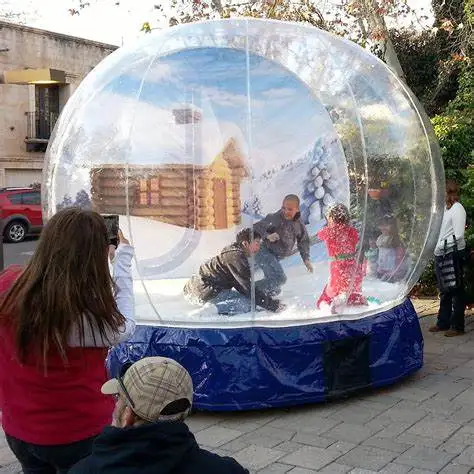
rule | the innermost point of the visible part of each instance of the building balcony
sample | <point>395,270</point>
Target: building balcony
<point>40,126</point>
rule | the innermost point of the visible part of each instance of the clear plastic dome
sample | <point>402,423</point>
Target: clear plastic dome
<point>195,133</point>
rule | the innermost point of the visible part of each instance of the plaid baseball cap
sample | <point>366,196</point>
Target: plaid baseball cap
<point>150,385</point>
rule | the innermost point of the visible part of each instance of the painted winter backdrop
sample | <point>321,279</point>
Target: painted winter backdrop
<point>318,177</point>
<point>287,136</point>
<point>126,118</point>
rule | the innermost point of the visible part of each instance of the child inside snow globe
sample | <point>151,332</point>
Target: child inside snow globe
<point>345,272</point>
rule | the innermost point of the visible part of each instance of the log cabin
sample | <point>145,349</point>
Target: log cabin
<point>194,180</point>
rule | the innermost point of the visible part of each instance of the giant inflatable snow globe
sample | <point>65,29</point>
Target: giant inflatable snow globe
<point>198,132</point>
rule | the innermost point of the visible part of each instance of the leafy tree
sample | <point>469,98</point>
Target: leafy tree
<point>433,59</point>
<point>454,127</point>
<point>420,59</point>
<point>362,21</point>
<point>7,14</point>
<point>453,124</point>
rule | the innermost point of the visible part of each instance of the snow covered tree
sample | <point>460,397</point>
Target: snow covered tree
<point>256,206</point>
<point>253,206</point>
<point>66,202</point>
<point>83,200</point>
<point>318,185</point>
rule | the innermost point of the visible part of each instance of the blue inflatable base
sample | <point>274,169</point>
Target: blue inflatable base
<point>262,367</point>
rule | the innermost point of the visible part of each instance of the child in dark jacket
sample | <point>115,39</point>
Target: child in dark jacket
<point>345,272</point>
<point>226,279</point>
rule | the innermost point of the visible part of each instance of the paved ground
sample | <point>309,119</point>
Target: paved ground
<point>426,306</point>
<point>422,425</point>
<point>19,253</point>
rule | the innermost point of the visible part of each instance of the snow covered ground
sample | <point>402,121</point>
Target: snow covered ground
<point>161,302</point>
<point>166,256</point>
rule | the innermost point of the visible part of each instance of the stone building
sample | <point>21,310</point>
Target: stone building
<point>39,70</point>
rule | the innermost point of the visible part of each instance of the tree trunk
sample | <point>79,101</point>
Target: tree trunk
<point>376,22</point>
<point>217,5</point>
<point>391,59</point>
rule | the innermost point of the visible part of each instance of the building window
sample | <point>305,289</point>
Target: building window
<point>46,109</point>
<point>41,122</point>
<point>149,192</point>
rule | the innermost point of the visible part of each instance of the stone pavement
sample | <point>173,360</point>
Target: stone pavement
<point>423,425</point>
<point>425,306</point>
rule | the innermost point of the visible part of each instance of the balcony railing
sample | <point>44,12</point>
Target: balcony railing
<point>40,126</point>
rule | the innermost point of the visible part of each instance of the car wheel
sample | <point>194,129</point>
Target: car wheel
<point>15,232</point>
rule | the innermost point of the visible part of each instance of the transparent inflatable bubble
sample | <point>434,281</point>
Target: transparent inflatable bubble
<point>198,132</point>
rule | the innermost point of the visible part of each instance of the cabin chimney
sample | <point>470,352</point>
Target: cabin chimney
<point>190,116</point>
<point>186,114</point>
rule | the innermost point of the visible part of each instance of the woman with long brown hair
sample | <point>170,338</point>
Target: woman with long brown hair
<point>56,322</point>
<point>449,265</point>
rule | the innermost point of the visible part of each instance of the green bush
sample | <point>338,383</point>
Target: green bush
<point>456,138</point>
<point>455,129</point>
<point>455,132</point>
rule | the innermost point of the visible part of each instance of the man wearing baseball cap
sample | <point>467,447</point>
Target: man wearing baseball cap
<point>148,434</point>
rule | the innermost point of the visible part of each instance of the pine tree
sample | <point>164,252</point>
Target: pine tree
<point>66,202</point>
<point>256,206</point>
<point>83,200</point>
<point>318,185</point>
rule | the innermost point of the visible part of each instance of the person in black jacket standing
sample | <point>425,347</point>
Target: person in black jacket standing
<point>226,280</point>
<point>148,433</point>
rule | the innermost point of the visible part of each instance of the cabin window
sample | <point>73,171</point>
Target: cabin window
<point>149,192</point>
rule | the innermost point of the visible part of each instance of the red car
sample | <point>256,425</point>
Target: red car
<point>20,209</point>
